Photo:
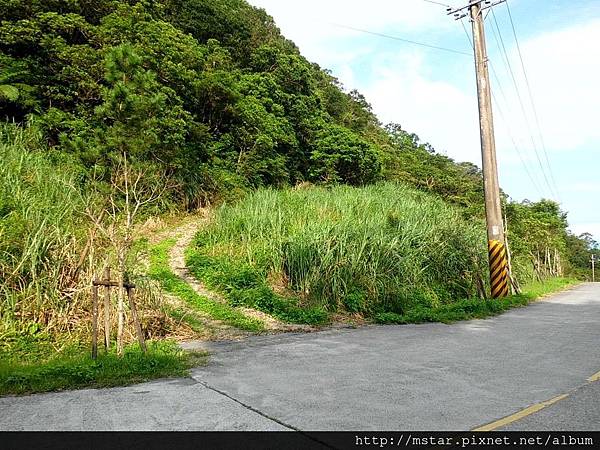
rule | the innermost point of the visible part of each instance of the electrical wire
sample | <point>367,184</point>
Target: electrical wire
<point>520,99</point>
<point>498,107</point>
<point>422,44</point>
<point>437,3</point>
<point>503,118</point>
<point>533,107</point>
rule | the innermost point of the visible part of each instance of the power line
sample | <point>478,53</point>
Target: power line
<point>514,143</point>
<point>518,93</point>
<point>422,44</point>
<point>502,117</point>
<point>438,3</point>
<point>533,107</point>
<point>462,22</point>
<point>506,124</point>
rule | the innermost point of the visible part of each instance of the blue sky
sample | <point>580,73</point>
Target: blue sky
<point>432,92</point>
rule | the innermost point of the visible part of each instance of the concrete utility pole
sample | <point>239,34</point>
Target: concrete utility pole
<point>593,268</point>
<point>499,276</point>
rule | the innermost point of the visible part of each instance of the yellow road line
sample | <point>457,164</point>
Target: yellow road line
<point>595,377</point>
<point>530,410</point>
<point>521,414</point>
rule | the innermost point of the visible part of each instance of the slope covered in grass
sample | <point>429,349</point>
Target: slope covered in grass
<point>160,271</point>
<point>384,247</point>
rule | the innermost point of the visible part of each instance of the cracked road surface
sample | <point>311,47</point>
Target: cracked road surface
<point>431,376</point>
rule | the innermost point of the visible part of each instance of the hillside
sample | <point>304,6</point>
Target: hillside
<point>365,250</point>
<point>124,114</point>
<point>209,93</point>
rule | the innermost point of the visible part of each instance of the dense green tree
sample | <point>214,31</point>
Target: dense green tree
<point>210,93</point>
<point>341,156</point>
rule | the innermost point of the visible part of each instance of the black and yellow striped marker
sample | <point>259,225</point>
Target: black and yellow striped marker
<point>498,269</point>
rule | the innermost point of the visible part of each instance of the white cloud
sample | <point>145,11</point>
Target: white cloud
<point>438,111</point>
<point>563,76</point>
<point>312,23</point>
<point>563,73</point>
<point>590,227</point>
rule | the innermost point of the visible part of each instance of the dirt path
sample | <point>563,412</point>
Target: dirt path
<point>184,235</point>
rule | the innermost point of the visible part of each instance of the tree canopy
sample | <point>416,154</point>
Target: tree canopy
<point>211,94</point>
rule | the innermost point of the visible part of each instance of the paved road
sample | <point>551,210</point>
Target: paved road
<point>579,411</point>
<point>432,376</point>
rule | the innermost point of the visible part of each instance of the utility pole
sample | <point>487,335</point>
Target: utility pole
<point>499,276</point>
<point>593,268</point>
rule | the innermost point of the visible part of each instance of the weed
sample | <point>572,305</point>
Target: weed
<point>73,368</point>
<point>160,271</point>
<point>475,308</point>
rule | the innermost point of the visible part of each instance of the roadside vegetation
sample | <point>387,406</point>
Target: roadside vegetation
<point>160,271</point>
<point>115,112</point>
<point>477,308</point>
<point>384,247</point>
<point>40,232</point>
<point>35,365</point>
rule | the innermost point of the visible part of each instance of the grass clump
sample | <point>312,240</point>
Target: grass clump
<point>380,248</point>
<point>243,285</point>
<point>160,271</point>
<point>475,308</point>
<point>24,372</point>
<point>40,227</point>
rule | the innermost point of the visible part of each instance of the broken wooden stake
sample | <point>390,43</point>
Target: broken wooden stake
<point>134,316</point>
<point>107,312</point>
<point>94,322</point>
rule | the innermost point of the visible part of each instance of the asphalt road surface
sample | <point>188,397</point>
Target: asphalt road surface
<point>412,377</point>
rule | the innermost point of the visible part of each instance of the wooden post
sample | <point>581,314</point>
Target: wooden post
<point>136,322</point>
<point>516,289</point>
<point>94,322</point>
<point>107,311</point>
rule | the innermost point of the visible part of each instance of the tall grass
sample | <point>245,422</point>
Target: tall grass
<point>40,228</point>
<point>384,247</point>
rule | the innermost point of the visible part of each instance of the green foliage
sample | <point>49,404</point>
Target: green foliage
<point>72,368</point>
<point>243,285</point>
<point>144,120</point>
<point>355,302</point>
<point>417,163</point>
<point>380,248</point>
<point>341,156</point>
<point>40,224</point>
<point>579,250</point>
<point>160,271</point>
<point>207,97</point>
<point>207,91</point>
<point>476,308</point>
<point>538,236</point>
